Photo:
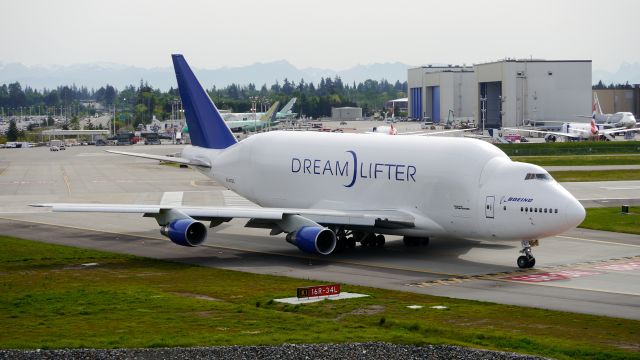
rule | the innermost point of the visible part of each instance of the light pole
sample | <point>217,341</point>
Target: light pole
<point>254,101</point>
<point>126,121</point>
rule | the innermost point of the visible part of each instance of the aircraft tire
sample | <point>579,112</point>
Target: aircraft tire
<point>532,262</point>
<point>380,240</point>
<point>526,262</point>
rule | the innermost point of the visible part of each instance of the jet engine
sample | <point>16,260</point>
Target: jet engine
<point>313,239</point>
<point>185,232</point>
<point>550,138</point>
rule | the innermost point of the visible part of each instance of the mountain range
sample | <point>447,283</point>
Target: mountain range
<point>99,74</point>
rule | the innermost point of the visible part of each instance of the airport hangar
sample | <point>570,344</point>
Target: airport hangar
<point>503,93</point>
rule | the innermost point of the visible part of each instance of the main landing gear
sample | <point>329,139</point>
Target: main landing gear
<point>527,260</point>
<point>347,239</point>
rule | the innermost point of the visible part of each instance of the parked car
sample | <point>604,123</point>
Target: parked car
<point>54,148</point>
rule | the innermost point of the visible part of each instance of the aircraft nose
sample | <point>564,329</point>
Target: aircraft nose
<point>574,213</point>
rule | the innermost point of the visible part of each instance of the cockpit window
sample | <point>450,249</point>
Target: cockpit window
<point>539,176</point>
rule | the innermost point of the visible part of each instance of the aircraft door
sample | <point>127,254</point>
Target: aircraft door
<point>488,209</point>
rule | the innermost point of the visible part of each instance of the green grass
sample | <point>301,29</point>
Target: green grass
<point>612,219</point>
<point>597,175</point>
<point>572,148</point>
<point>580,160</point>
<point>48,301</point>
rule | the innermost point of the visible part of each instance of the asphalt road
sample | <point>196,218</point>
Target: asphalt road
<point>581,271</point>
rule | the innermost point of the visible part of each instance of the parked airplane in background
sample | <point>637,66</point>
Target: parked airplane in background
<point>286,111</point>
<point>619,119</point>
<point>328,191</point>
<point>268,118</point>
<point>392,130</point>
<point>578,131</point>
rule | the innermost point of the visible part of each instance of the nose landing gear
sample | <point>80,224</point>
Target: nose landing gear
<point>527,260</point>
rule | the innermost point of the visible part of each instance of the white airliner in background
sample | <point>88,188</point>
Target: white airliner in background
<point>392,130</point>
<point>328,191</point>
<point>578,131</point>
<point>619,119</point>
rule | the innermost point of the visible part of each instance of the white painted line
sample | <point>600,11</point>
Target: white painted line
<point>557,285</point>
<point>597,241</point>
<point>234,200</point>
<point>620,188</point>
<point>173,198</point>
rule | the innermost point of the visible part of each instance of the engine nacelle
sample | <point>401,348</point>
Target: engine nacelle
<point>312,239</point>
<point>185,232</point>
<point>550,138</point>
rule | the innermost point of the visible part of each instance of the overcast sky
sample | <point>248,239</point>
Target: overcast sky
<point>327,34</point>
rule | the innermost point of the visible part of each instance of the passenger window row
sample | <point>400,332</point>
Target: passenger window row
<point>538,210</point>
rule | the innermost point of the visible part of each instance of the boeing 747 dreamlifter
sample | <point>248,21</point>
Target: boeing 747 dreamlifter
<point>329,190</point>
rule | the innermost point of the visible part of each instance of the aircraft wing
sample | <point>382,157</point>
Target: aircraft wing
<point>618,130</point>
<point>573,136</point>
<point>374,218</point>
<point>447,132</point>
<point>172,159</point>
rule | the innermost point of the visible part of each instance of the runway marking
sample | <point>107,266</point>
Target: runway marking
<point>556,285</point>
<point>553,276</point>
<point>620,187</point>
<point>172,198</point>
<point>630,266</point>
<point>551,273</point>
<point>92,154</point>
<point>66,180</point>
<point>232,199</point>
<point>597,241</point>
<point>328,260</point>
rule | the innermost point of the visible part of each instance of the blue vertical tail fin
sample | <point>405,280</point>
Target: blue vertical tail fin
<point>207,128</point>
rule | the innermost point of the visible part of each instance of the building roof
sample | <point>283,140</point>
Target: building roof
<point>530,61</point>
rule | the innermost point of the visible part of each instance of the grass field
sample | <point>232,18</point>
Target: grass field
<point>611,219</point>
<point>572,148</point>
<point>597,175</point>
<point>49,300</point>
<point>580,160</point>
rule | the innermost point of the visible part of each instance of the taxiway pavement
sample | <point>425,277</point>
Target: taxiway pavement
<point>581,271</point>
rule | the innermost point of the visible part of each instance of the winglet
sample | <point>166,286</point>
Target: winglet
<point>206,127</point>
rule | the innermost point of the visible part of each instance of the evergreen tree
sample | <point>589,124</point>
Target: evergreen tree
<point>12,132</point>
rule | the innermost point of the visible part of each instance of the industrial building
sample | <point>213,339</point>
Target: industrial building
<point>434,90</point>
<point>504,93</point>
<point>346,113</point>
<point>620,100</point>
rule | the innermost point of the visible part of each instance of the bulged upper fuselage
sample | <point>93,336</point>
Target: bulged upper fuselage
<point>452,186</point>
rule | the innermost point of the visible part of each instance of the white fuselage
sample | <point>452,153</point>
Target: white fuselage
<point>580,130</point>
<point>452,186</point>
<point>619,119</point>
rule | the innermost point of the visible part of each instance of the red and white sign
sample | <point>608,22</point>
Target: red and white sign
<point>322,290</point>
<point>552,276</point>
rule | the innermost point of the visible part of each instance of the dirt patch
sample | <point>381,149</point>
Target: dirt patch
<point>195,296</point>
<point>369,310</point>
<point>623,346</point>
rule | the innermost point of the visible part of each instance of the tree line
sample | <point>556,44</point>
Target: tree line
<point>140,103</point>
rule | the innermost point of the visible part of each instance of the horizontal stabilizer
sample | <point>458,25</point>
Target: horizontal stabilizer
<point>171,159</point>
